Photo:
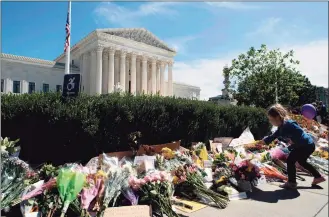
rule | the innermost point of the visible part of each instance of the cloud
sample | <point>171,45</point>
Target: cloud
<point>276,31</point>
<point>233,5</point>
<point>313,59</point>
<point>207,73</point>
<point>180,44</point>
<point>267,27</point>
<point>108,12</point>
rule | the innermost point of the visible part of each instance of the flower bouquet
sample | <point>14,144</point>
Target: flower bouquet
<point>222,175</point>
<point>156,190</point>
<point>15,177</point>
<point>190,185</point>
<point>255,147</point>
<point>9,148</point>
<point>246,174</point>
<point>115,183</point>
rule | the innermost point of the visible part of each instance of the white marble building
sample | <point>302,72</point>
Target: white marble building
<point>134,58</point>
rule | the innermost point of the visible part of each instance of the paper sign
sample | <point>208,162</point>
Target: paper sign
<point>187,206</point>
<point>139,159</point>
<point>128,211</point>
<point>207,164</point>
<point>219,147</point>
<point>245,138</point>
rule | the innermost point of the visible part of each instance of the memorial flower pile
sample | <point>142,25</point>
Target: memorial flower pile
<point>152,178</point>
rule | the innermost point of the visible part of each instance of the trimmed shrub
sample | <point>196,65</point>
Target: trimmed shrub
<point>54,131</point>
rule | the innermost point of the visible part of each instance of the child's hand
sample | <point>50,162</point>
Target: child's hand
<point>261,142</point>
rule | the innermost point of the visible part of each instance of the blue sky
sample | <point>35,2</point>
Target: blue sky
<point>206,35</point>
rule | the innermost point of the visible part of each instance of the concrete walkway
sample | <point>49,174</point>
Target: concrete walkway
<point>269,200</point>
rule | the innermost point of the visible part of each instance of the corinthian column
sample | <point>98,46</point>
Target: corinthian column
<point>170,79</point>
<point>144,74</point>
<point>158,78</point>
<point>127,74</point>
<point>133,73</point>
<point>138,76</point>
<point>162,79</point>
<point>110,85</point>
<point>99,58</point>
<point>86,72</point>
<point>153,76</point>
<point>92,76</point>
<point>123,69</point>
<point>105,76</point>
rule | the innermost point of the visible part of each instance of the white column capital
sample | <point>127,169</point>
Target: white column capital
<point>134,55</point>
<point>123,53</point>
<point>154,60</point>
<point>99,49</point>
<point>105,54</point>
<point>144,57</point>
<point>170,63</point>
<point>93,52</point>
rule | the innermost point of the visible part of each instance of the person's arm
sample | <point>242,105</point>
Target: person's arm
<point>269,139</point>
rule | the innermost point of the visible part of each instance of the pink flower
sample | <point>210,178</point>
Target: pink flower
<point>142,182</point>
<point>137,181</point>
<point>147,179</point>
<point>136,187</point>
<point>156,177</point>
<point>163,175</point>
<point>132,181</point>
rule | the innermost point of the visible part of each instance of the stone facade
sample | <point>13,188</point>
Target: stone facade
<point>133,58</point>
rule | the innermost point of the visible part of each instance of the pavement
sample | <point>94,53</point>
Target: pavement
<point>270,200</point>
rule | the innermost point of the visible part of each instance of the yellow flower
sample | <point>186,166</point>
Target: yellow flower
<point>168,153</point>
<point>101,173</point>
<point>175,180</point>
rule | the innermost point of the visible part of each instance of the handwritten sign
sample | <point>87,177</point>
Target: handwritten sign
<point>71,86</point>
<point>128,211</point>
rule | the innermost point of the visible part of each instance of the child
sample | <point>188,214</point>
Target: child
<point>301,144</point>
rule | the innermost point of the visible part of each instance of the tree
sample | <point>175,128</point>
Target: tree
<point>259,74</point>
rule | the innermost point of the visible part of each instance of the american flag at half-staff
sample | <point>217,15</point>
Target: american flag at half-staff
<point>67,48</point>
<point>67,30</point>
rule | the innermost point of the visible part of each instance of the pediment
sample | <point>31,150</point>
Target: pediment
<point>140,35</point>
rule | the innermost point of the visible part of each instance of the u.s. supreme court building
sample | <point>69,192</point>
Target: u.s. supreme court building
<point>133,60</point>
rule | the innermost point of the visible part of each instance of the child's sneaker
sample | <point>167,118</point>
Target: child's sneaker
<point>318,180</point>
<point>289,185</point>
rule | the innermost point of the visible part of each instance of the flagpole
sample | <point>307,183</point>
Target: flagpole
<point>68,49</point>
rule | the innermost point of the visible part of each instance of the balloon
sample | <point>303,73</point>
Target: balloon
<point>308,111</point>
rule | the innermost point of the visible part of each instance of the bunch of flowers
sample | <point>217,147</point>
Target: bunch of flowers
<point>155,189</point>
<point>245,170</point>
<point>321,152</point>
<point>15,176</point>
<point>167,153</point>
<point>222,175</point>
<point>194,188</point>
<point>256,147</point>
<point>220,159</point>
<point>115,183</point>
<point>9,147</point>
<point>246,174</point>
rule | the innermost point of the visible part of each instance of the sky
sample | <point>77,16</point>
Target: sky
<point>206,35</point>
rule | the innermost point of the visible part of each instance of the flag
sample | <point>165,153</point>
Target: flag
<point>68,31</point>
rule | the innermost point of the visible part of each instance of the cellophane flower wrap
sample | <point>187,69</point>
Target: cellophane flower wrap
<point>15,177</point>
<point>155,189</point>
<point>69,183</point>
<point>191,186</point>
<point>115,183</point>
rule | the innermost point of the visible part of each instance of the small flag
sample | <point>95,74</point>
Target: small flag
<point>68,31</point>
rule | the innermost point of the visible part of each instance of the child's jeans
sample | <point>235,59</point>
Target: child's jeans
<point>300,155</point>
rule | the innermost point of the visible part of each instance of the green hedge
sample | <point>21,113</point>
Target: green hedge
<point>54,131</point>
